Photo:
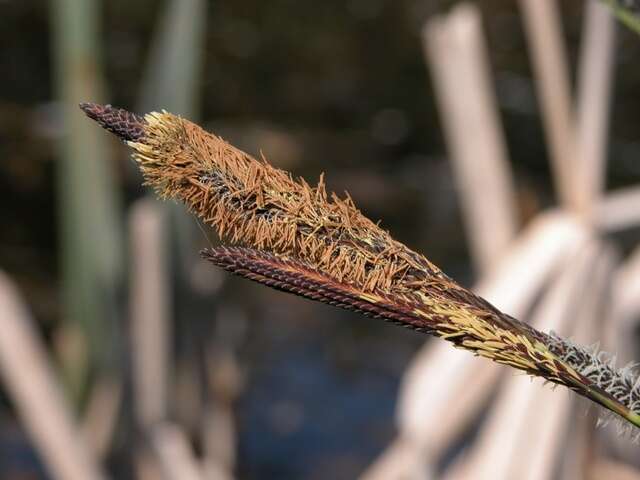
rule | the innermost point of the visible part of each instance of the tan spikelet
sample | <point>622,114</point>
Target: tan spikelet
<point>252,203</point>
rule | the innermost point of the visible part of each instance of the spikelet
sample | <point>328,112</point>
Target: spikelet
<point>299,239</point>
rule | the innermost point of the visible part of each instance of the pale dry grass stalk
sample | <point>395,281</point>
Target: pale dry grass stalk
<point>33,387</point>
<point>299,239</point>
<point>595,77</point>
<point>457,55</point>
<point>150,307</point>
<point>543,29</point>
<point>100,420</point>
<point>173,452</point>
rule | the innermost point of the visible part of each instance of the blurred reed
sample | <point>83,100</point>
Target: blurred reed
<point>173,73</point>
<point>91,230</point>
<point>458,55</point>
<point>36,394</point>
<point>173,80</point>
<point>543,30</point>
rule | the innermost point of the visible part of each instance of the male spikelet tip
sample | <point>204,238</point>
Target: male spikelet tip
<point>300,239</point>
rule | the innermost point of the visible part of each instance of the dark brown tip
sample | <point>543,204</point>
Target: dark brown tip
<point>126,125</point>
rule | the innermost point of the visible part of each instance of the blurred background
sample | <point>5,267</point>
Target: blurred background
<point>149,362</point>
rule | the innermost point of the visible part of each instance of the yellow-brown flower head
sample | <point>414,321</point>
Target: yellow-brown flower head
<point>319,246</point>
<point>249,202</point>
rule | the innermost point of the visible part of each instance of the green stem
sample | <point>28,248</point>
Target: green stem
<point>625,15</point>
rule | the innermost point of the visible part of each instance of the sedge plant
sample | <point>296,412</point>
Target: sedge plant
<point>284,233</point>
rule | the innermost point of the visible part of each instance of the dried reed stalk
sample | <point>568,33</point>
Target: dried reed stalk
<point>543,28</point>
<point>31,384</point>
<point>296,238</point>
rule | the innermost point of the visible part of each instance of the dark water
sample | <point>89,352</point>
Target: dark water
<point>302,419</point>
<point>321,392</point>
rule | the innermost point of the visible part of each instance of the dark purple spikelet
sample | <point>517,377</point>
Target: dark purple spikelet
<point>126,125</point>
<point>295,277</point>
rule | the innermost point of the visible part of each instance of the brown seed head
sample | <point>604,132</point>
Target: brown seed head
<point>321,247</point>
<point>251,203</point>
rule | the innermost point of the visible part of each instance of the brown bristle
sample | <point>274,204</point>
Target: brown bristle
<point>126,125</point>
